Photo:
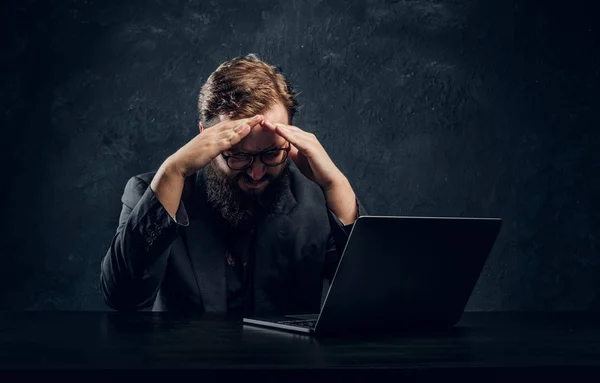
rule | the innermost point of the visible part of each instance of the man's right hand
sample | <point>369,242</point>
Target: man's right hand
<point>168,182</point>
<point>203,148</point>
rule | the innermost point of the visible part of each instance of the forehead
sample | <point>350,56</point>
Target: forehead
<point>261,138</point>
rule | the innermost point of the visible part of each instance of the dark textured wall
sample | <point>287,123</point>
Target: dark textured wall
<point>440,108</point>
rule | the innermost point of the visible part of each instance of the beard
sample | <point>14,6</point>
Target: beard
<point>239,208</point>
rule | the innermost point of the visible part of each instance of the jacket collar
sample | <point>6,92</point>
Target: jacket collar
<point>205,238</point>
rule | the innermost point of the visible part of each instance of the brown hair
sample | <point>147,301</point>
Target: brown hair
<point>243,87</point>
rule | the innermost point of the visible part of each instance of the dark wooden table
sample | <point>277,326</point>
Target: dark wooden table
<point>106,346</point>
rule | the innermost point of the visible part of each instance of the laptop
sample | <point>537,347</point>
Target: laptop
<point>397,274</point>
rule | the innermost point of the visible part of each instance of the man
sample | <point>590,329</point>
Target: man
<point>249,217</point>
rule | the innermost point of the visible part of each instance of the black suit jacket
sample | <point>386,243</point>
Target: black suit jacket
<point>179,265</point>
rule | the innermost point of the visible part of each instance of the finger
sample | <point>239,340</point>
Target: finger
<point>298,138</point>
<point>280,130</point>
<point>240,130</point>
<point>294,135</point>
<point>273,125</point>
<point>225,143</point>
<point>296,129</point>
<point>291,128</point>
<point>226,139</point>
<point>239,124</point>
<point>269,125</point>
<point>293,153</point>
<point>251,122</point>
<point>256,120</point>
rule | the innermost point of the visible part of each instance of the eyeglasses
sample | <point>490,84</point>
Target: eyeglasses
<point>242,161</point>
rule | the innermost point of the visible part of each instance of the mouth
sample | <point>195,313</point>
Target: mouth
<point>254,184</point>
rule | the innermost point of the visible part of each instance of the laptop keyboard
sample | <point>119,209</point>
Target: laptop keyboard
<point>310,323</point>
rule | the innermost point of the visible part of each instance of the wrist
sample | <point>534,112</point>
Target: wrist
<point>339,181</point>
<point>173,168</point>
<point>341,200</point>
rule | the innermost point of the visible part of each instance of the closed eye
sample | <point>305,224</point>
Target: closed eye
<point>244,154</point>
<point>272,153</point>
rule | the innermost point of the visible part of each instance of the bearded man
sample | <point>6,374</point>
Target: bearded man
<point>250,217</point>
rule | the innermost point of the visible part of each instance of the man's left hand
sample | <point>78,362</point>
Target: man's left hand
<point>308,154</point>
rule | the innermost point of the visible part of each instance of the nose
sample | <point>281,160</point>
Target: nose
<point>257,170</point>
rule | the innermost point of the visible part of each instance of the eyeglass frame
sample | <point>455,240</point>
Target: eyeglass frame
<point>259,154</point>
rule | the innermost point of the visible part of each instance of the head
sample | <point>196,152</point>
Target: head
<point>240,88</point>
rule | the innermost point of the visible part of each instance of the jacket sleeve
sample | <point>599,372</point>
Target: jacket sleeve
<point>134,265</point>
<point>337,240</point>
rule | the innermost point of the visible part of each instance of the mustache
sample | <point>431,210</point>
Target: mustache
<point>244,176</point>
<point>239,208</point>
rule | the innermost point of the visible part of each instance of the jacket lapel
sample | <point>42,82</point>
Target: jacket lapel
<point>207,257</point>
<point>206,248</point>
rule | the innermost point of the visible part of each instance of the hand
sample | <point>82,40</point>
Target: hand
<point>207,145</point>
<point>308,154</point>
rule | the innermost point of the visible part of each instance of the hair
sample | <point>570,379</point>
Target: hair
<point>243,87</point>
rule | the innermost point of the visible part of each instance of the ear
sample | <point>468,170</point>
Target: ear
<point>201,127</point>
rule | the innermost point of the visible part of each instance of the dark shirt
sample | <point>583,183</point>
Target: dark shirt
<point>240,266</point>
